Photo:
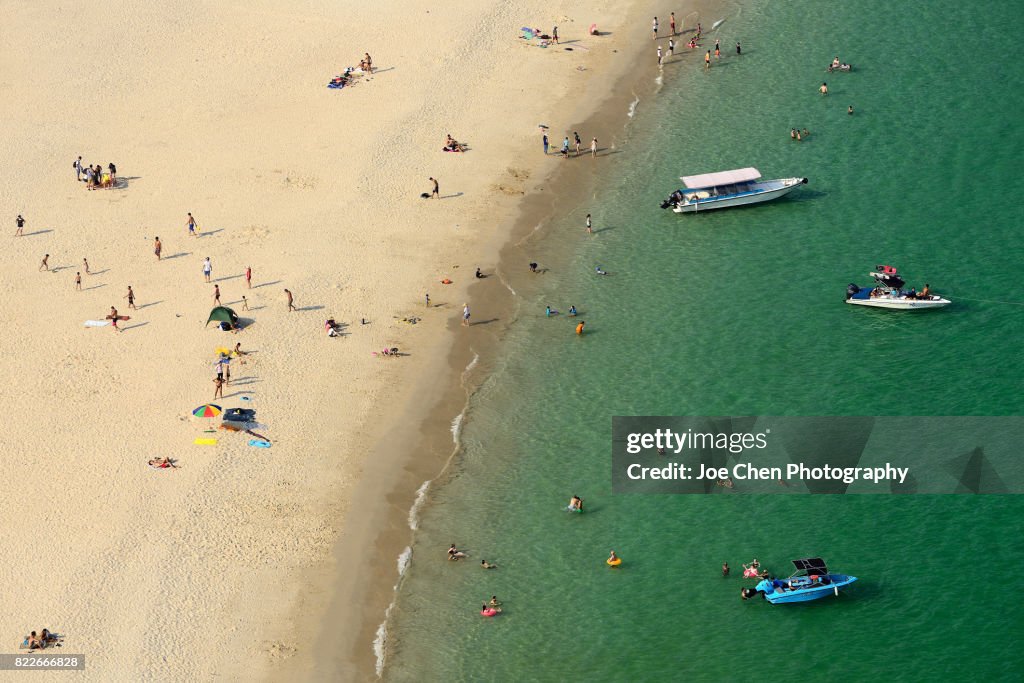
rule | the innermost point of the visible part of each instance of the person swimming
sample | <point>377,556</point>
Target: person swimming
<point>600,271</point>
<point>725,569</point>
<point>575,504</point>
<point>454,553</point>
<point>572,310</point>
<point>484,564</point>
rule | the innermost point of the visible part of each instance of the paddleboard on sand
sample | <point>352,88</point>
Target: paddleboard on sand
<point>205,442</point>
<point>259,444</point>
<point>97,323</point>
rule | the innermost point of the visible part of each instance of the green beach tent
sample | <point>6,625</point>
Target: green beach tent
<point>223,314</point>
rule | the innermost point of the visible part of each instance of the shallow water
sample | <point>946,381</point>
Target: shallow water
<point>741,312</point>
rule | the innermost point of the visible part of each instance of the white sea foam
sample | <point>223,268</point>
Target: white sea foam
<point>457,427</point>
<point>414,511</point>
<point>381,640</point>
<point>632,105</point>
<point>472,363</point>
<point>404,558</point>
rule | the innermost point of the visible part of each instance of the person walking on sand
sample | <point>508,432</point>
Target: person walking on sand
<point>245,303</point>
<point>248,277</point>
<point>216,294</point>
<point>823,89</point>
<point>590,226</point>
<point>191,223</point>
<point>45,264</point>
<point>672,23</point>
<point>593,148</point>
<point>671,47</point>
<point>465,315</point>
<point>131,298</point>
<point>77,165</point>
<point>545,144</point>
<point>20,222</point>
<point>218,390</point>
<point>554,35</point>
<point>436,192</point>
<point>426,300</point>
<point>78,282</point>
<point>576,137</point>
<point>707,60</point>
<point>654,29</point>
<point>85,266</point>
<point>207,268</point>
<point>113,319</point>
<point>157,247</point>
<point>291,305</point>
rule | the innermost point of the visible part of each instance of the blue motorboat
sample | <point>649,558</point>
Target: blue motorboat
<point>811,580</point>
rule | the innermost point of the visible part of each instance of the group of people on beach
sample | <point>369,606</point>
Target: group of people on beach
<point>567,147</point>
<point>93,176</point>
<point>41,641</point>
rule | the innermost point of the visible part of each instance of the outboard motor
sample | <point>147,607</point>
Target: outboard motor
<point>747,593</point>
<point>667,203</point>
<point>851,289</point>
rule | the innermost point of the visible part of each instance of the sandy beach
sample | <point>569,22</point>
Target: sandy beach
<point>224,566</point>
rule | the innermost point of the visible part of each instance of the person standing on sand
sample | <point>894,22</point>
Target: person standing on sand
<point>207,268</point>
<point>216,294</point>
<point>426,298</point>
<point>288,294</point>
<point>465,315</point>
<point>131,298</point>
<point>823,89</point>
<point>671,47</point>
<point>672,23</point>
<point>85,266</point>
<point>654,29</point>
<point>554,35</point>
<point>545,144</point>
<point>218,391</point>
<point>45,265</point>
<point>248,276</point>
<point>191,223</point>
<point>436,192</point>
<point>157,247</point>
<point>590,226</point>
<point>659,54</point>
<point>78,282</point>
<point>20,222</point>
<point>576,136</point>
<point>77,165</point>
<point>593,147</point>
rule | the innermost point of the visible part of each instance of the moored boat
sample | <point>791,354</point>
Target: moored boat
<point>888,292</point>
<point>723,189</point>
<point>811,581</point>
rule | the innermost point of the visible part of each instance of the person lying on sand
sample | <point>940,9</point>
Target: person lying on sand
<point>453,145</point>
<point>162,463</point>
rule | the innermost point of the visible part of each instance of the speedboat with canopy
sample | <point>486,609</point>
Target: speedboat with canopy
<point>727,188</point>
<point>888,292</point>
<point>811,581</point>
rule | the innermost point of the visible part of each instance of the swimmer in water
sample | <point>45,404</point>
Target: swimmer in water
<point>572,310</point>
<point>494,601</point>
<point>725,569</point>
<point>579,328</point>
<point>454,553</point>
<point>484,564</point>
<point>600,271</point>
<point>576,504</point>
<point>547,311</point>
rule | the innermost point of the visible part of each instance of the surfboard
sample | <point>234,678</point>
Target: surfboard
<point>97,323</point>
<point>120,317</point>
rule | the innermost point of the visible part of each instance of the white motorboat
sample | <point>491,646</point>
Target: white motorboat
<point>727,188</point>
<point>887,292</point>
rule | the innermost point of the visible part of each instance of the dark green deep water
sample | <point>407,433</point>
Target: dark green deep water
<point>740,313</point>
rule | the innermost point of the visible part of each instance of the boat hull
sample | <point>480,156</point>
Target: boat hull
<point>902,304</point>
<point>763,192</point>
<point>778,597</point>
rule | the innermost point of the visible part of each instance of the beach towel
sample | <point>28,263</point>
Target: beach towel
<point>205,442</point>
<point>97,323</point>
<point>259,444</point>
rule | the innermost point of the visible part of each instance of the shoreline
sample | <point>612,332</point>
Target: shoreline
<point>467,364</point>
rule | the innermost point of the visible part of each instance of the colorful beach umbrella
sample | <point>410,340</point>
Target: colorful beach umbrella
<point>209,410</point>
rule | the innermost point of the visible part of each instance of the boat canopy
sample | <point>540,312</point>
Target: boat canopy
<point>740,175</point>
<point>813,565</point>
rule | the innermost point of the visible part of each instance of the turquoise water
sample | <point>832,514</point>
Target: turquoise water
<point>740,312</point>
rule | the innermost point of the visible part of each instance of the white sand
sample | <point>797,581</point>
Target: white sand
<point>221,109</point>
